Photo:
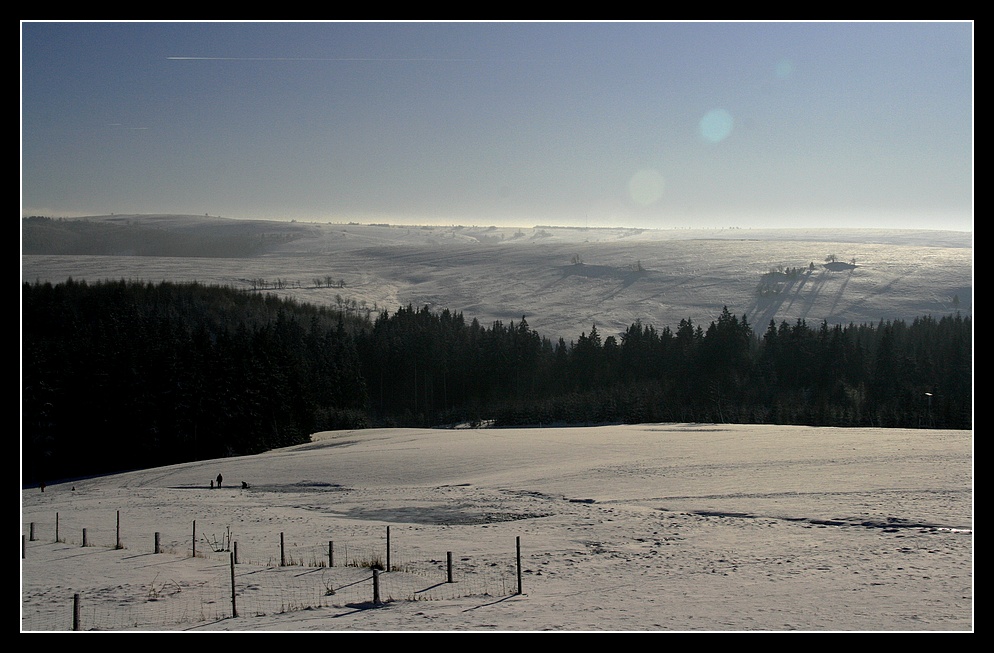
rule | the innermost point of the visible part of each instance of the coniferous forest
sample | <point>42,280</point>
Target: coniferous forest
<point>124,375</point>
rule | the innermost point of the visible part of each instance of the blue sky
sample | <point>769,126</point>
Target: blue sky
<point>649,124</point>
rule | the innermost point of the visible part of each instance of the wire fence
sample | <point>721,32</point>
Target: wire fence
<point>177,583</point>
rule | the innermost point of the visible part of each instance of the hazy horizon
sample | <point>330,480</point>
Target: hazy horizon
<point>398,221</point>
<point>587,124</point>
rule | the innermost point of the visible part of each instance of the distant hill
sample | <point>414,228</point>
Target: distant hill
<point>183,236</point>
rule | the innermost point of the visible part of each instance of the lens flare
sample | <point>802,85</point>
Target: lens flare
<point>646,186</point>
<point>785,68</point>
<point>716,125</point>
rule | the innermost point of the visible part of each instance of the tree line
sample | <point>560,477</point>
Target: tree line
<point>121,374</point>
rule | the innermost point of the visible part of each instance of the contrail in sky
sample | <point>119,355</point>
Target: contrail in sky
<point>314,59</point>
<point>339,59</point>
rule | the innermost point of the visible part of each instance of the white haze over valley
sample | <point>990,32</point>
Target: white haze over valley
<point>565,280</point>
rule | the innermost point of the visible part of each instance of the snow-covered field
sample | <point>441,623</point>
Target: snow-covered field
<point>655,527</point>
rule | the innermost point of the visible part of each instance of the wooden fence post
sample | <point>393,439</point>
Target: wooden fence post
<point>282,552</point>
<point>194,538</point>
<point>157,548</point>
<point>376,587</point>
<point>331,553</point>
<point>118,545</point>
<point>518,542</point>
<point>32,537</point>
<point>75,612</point>
<point>448,557</point>
<point>235,547</point>
<point>22,546</point>
<point>234,608</point>
<point>388,549</point>
<point>85,541</point>
<point>56,527</point>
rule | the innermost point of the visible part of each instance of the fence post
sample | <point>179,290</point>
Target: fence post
<point>85,541</point>
<point>448,557</point>
<point>388,549</point>
<point>234,608</point>
<point>22,546</point>
<point>157,549</point>
<point>331,553</point>
<point>56,527</point>
<point>235,546</point>
<point>282,552</point>
<point>32,537</point>
<point>194,538</point>
<point>75,612</point>
<point>118,546</point>
<point>376,587</point>
<point>518,544</point>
